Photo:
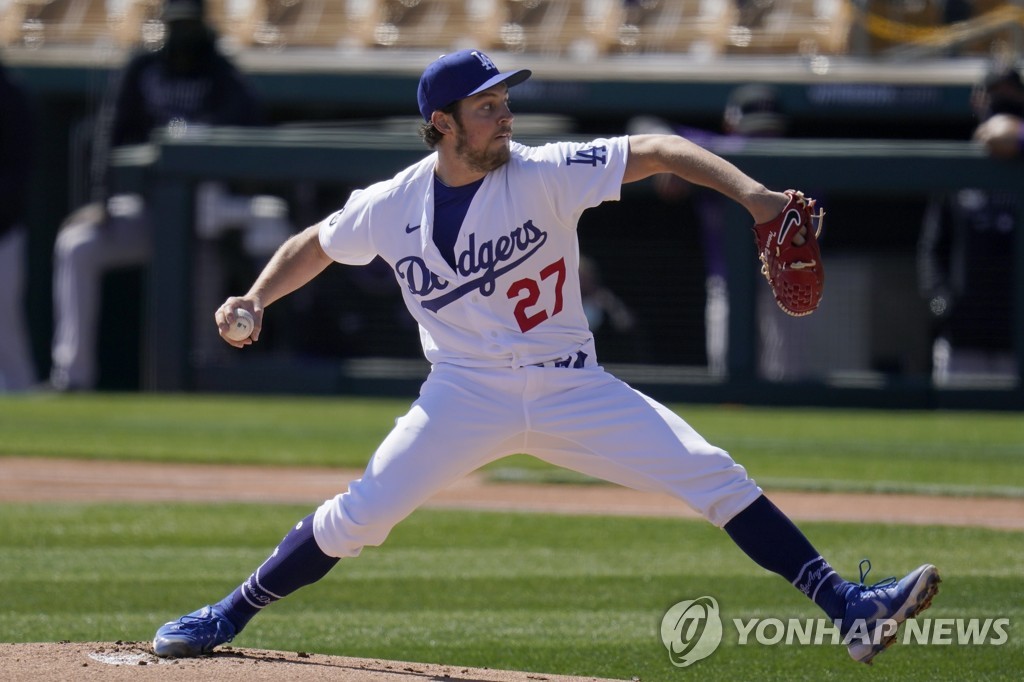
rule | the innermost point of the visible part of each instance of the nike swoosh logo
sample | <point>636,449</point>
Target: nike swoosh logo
<point>791,220</point>
<point>880,610</point>
<point>409,229</point>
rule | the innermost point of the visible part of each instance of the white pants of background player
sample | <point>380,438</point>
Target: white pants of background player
<point>90,244</point>
<point>581,419</point>
<point>952,365</point>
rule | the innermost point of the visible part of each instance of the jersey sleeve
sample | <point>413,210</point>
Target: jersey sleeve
<point>345,234</point>
<point>580,175</point>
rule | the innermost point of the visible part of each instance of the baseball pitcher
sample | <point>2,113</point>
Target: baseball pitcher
<point>481,236</point>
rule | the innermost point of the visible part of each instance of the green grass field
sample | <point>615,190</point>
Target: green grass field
<point>569,595</point>
<point>961,453</point>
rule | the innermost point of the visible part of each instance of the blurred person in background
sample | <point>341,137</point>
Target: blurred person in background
<point>17,371</point>
<point>999,104</point>
<point>610,318</point>
<point>965,264</point>
<point>751,111</point>
<point>186,82</point>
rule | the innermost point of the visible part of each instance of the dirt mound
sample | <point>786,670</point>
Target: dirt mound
<point>135,661</point>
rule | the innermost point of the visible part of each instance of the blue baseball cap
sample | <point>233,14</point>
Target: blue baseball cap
<point>459,75</point>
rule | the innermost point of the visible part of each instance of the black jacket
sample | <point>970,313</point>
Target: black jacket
<point>15,152</point>
<point>965,266</point>
<point>147,94</point>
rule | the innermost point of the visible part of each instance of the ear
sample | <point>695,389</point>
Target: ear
<point>441,121</point>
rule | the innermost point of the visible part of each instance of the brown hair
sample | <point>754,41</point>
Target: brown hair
<point>431,135</point>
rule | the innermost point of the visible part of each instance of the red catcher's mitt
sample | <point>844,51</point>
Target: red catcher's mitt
<point>795,273</point>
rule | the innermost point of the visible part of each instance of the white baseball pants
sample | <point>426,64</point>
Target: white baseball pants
<point>86,248</point>
<point>91,244</point>
<point>581,419</point>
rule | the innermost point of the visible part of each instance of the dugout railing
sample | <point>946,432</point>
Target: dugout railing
<point>168,170</point>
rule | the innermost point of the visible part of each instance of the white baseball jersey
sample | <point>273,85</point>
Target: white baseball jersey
<point>514,368</point>
<point>514,299</point>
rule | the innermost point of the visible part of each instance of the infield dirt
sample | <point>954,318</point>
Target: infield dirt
<point>132,661</point>
<point>25,479</point>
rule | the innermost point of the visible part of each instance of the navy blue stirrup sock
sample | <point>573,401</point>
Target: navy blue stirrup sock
<point>297,561</point>
<point>768,537</point>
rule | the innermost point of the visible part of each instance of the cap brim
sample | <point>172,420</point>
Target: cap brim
<point>510,78</point>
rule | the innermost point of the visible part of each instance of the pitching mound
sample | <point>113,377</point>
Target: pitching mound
<point>135,661</point>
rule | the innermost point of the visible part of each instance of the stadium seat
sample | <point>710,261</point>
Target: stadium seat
<point>279,24</point>
<point>892,24</point>
<point>575,28</point>
<point>441,24</point>
<point>132,23</point>
<point>37,23</point>
<point>135,22</point>
<point>994,42</point>
<point>790,27</point>
<point>696,27</point>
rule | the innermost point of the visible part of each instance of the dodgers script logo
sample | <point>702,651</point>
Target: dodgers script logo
<point>490,259</point>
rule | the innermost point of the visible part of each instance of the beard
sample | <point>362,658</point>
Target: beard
<point>481,161</point>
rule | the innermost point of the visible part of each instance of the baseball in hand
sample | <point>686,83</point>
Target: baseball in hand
<point>242,326</point>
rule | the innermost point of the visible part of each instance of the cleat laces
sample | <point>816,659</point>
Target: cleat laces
<point>865,567</point>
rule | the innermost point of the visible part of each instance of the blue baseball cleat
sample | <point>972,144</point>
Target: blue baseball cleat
<point>193,635</point>
<point>874,612</point>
